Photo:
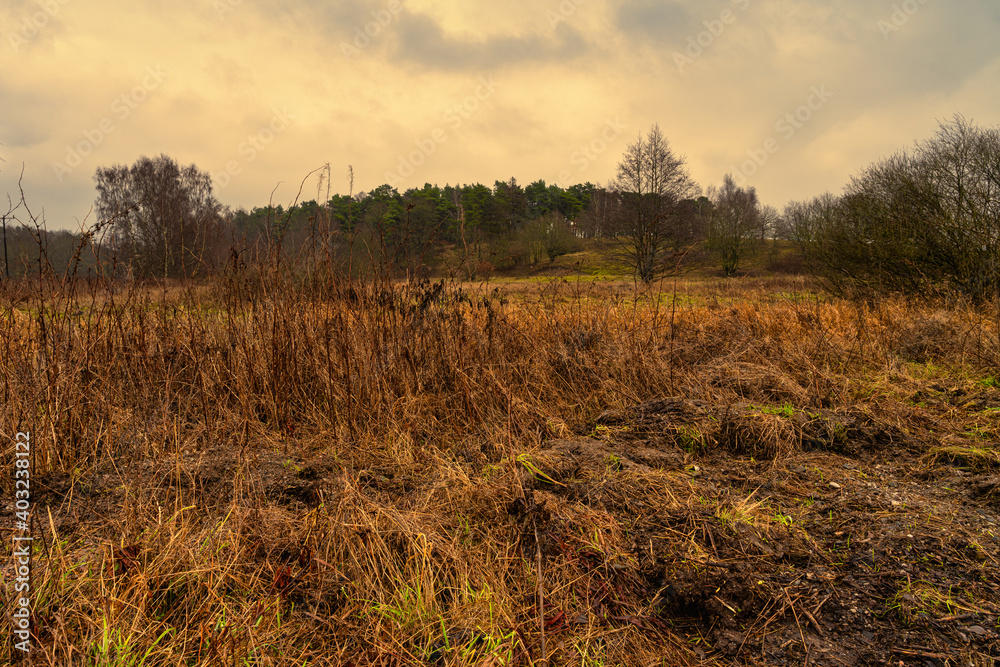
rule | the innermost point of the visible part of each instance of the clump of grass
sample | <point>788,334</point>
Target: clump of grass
<point>976,458</point>
<point>758,435</point>
<point>690,439</point>
<point>922,599</point>
<point>786,411</point>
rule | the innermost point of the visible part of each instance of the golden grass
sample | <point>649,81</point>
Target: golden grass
<point>168,424</point>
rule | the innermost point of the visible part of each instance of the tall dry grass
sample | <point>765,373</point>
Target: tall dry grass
<point>169,424</point>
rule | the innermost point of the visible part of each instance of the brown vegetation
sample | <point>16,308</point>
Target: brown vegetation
<point>260,471</point>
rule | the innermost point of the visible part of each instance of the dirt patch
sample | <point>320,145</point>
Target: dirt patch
<point>789,536</point>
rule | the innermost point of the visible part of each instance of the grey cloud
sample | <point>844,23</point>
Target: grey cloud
<point>656,21</point>
<point>417,38</point>
<point>421,40</point>
<point>935,52</point>
<point>22,135</point>
<point>29,25</point>
<point>337,19</point>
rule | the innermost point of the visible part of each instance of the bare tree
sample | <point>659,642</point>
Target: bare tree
<point>735,224</point>
<point>548,236</point>
<point>929,217</point>
<point>167,221</point>
<point>651,183</point>
<point>597,221</point>
<point>962,167</point>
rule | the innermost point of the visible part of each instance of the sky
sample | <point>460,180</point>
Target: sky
<point>791,97</point>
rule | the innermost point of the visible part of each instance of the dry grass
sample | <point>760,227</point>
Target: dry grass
<point>255,472</point>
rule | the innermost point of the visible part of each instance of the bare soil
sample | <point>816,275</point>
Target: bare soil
<point>852,548</point>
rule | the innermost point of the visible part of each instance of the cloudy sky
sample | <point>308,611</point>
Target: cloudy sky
<point>791,96</point>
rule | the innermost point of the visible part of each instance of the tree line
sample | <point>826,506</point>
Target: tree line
<point>925,218</point>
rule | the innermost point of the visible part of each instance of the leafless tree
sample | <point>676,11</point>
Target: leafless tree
<point>167,220</point>
<point>651,183</point>
<point>735,223</point>
<point>598,220</point>
<point>961,165</point>
<point>929,217</point>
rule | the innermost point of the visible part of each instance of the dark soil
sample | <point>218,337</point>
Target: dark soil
<point>815,537</point>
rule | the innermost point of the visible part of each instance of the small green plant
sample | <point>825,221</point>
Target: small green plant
<point>470,646</point>
<point>491,470</point>
<point>923,597</point>
<point>590,656</point>
<point>532,467</point>
<point>786,411</point>
<point>980,433</point>
<point>466,531</point>
<point>690,439</point>
<point>116,650</point>
<point>408,609</point>
<point>975,458</point>
<point>745,511</point>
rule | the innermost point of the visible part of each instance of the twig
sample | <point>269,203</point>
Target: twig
<point>959,617</point>
<point>802,635</point>
<point>921,654</point>
<point>723,603</point>
<point>820,605</point>
<point>708,563</point>
<point>812,619</point>
<point>541,599</point>
<point>711,538</point>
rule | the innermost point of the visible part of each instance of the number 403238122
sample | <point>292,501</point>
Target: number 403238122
<point>22,474</point>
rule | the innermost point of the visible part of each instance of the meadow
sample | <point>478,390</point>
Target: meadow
<point>264,469</point>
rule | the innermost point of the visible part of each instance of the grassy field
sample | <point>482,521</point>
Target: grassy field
<point>561,471</point>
